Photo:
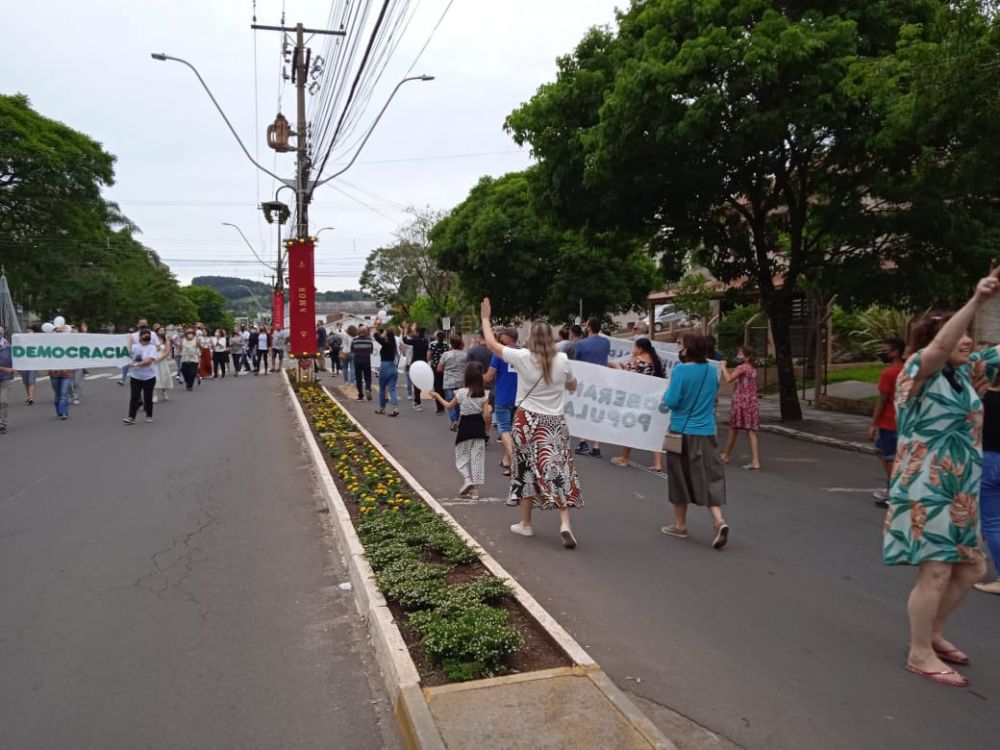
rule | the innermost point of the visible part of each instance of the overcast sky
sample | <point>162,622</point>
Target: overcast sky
<point>180,173</point>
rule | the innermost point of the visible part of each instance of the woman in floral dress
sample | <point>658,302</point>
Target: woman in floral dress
<point>933,515</point>
<point>745,410</point>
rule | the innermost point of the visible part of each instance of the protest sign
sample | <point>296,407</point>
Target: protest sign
<point>617,407</point>
<point>69,351</point>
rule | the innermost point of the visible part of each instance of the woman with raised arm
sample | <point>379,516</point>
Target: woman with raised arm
<point>544,475</point>
<point>933,515</point>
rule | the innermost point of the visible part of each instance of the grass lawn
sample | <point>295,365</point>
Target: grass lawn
<point>864,373</point>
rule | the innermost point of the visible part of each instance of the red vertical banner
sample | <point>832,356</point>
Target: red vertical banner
<point>278,310</point>
<point>302,298</point>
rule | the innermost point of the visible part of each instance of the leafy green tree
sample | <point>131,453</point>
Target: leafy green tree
<point>66,250</point>
<point>501,244</point>
<point>779,141</point>
<point>209,307</point>
<point>400,273</point>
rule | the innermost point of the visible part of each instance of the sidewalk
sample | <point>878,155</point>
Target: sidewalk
<point>845,431</point>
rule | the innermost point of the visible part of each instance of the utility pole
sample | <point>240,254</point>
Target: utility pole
<point>300,247</point>
<point>300,70</point>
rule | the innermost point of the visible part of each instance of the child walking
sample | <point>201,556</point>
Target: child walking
<point>745,414</point>
<point>470,441</point>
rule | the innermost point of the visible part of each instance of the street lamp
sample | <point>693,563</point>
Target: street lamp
<point>227,224</point>
<point>162,56</point>
<point>322,230</point>
<point>260,310</point>
<point>367,135</point>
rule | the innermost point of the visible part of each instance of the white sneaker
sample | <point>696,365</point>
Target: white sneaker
<point>466,489</point>
<point>156,399</point>
<point>569,541</point>
<point>76,402</point>
<point>518,528</point>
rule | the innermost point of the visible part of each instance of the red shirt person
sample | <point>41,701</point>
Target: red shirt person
<point>883,428</point>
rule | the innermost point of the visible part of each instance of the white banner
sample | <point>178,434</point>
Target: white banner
<point>617,407</point>
<point>69,351</point>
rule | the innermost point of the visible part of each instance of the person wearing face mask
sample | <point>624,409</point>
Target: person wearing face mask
<point>164,380</point>
<point>883,429</point>
<point>142,377</point>
<point>205,358</point>
<point>933,517</point>
<point>695,475</point>
<point>190,356</point>
<point>744,410</point>
<point>220,353</point>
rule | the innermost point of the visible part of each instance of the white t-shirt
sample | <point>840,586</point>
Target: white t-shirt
<point>141,352</point>
<point>219,343</point>
<point>262,342</point>
<point>545,398</point>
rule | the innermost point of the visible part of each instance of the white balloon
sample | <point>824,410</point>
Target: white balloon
<point>58,321</point>
<point>422,376</point>
<point>48,328</point>
<point>381,315</point>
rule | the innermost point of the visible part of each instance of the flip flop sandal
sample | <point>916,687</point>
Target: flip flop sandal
<point>751,467</point>
<point>953,656</point>
<point>938,676</point>
<point>620,462</point>
<point>380,411</point>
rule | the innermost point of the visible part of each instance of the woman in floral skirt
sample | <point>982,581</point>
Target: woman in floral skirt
<point>745,409</point>
<point>544,475</point>
<point>933,515</point>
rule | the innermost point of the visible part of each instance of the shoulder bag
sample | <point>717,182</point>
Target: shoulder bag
<point>673,442</point>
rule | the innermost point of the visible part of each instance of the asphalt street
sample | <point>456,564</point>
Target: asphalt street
<point>175,584</point>
<point>793,636</point>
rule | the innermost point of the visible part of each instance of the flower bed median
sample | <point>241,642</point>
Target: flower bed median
<point>459,621</point>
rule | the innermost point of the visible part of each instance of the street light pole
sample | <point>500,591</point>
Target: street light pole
<point>228,224</point>
<point>367,135</point>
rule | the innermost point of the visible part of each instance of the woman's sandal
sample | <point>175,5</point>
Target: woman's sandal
<point>620,462</point>
<point>939,676</point>
<point>394,413</point>
<point>380,411</point>
<point>952,656</point>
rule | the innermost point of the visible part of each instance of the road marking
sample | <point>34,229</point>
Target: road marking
<point>469,500</point>
<point>16,495</point>
<point>853,489</point>
<point>795,460</point>
<point>101,375</point>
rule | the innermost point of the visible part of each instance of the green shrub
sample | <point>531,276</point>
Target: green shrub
<point>384,553</point>
<point>729,334</point>
<point>404,581</point>
<point>468,642</point>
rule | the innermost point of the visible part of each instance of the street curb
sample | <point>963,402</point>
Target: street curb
<point>808,437</point>
<point>583,661</point>
<point>416,725</point>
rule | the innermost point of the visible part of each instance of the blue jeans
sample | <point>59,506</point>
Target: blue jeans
<point>454,414</point>
<point>60,386</point>
<point>387,374</point>
<point>348,368</point>
<point>989,505</point>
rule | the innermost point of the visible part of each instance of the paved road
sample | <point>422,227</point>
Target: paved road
<point>173,585</point>
<point>794,636</point>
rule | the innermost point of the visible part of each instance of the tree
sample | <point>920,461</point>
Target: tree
<point>66,249</point>
<point>502,244</point>
<point>693,296</point>
<point>209,307</point>
<point>400,273</point>
<point>776,140</point>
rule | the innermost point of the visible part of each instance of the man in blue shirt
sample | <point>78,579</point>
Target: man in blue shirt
<point>504,398</point>
<point>595,349</point>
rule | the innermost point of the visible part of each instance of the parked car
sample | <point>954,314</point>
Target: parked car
<point>667,316</point>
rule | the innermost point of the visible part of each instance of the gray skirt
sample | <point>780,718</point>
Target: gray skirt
<point>696,475</point>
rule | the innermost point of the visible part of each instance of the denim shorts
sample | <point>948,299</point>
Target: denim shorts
<point>28,377</point>
<point>885,444</point>
<point>503,415</point>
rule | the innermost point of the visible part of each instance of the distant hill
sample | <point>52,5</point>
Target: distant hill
<point>232,288</point>
<point>240,302</point>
